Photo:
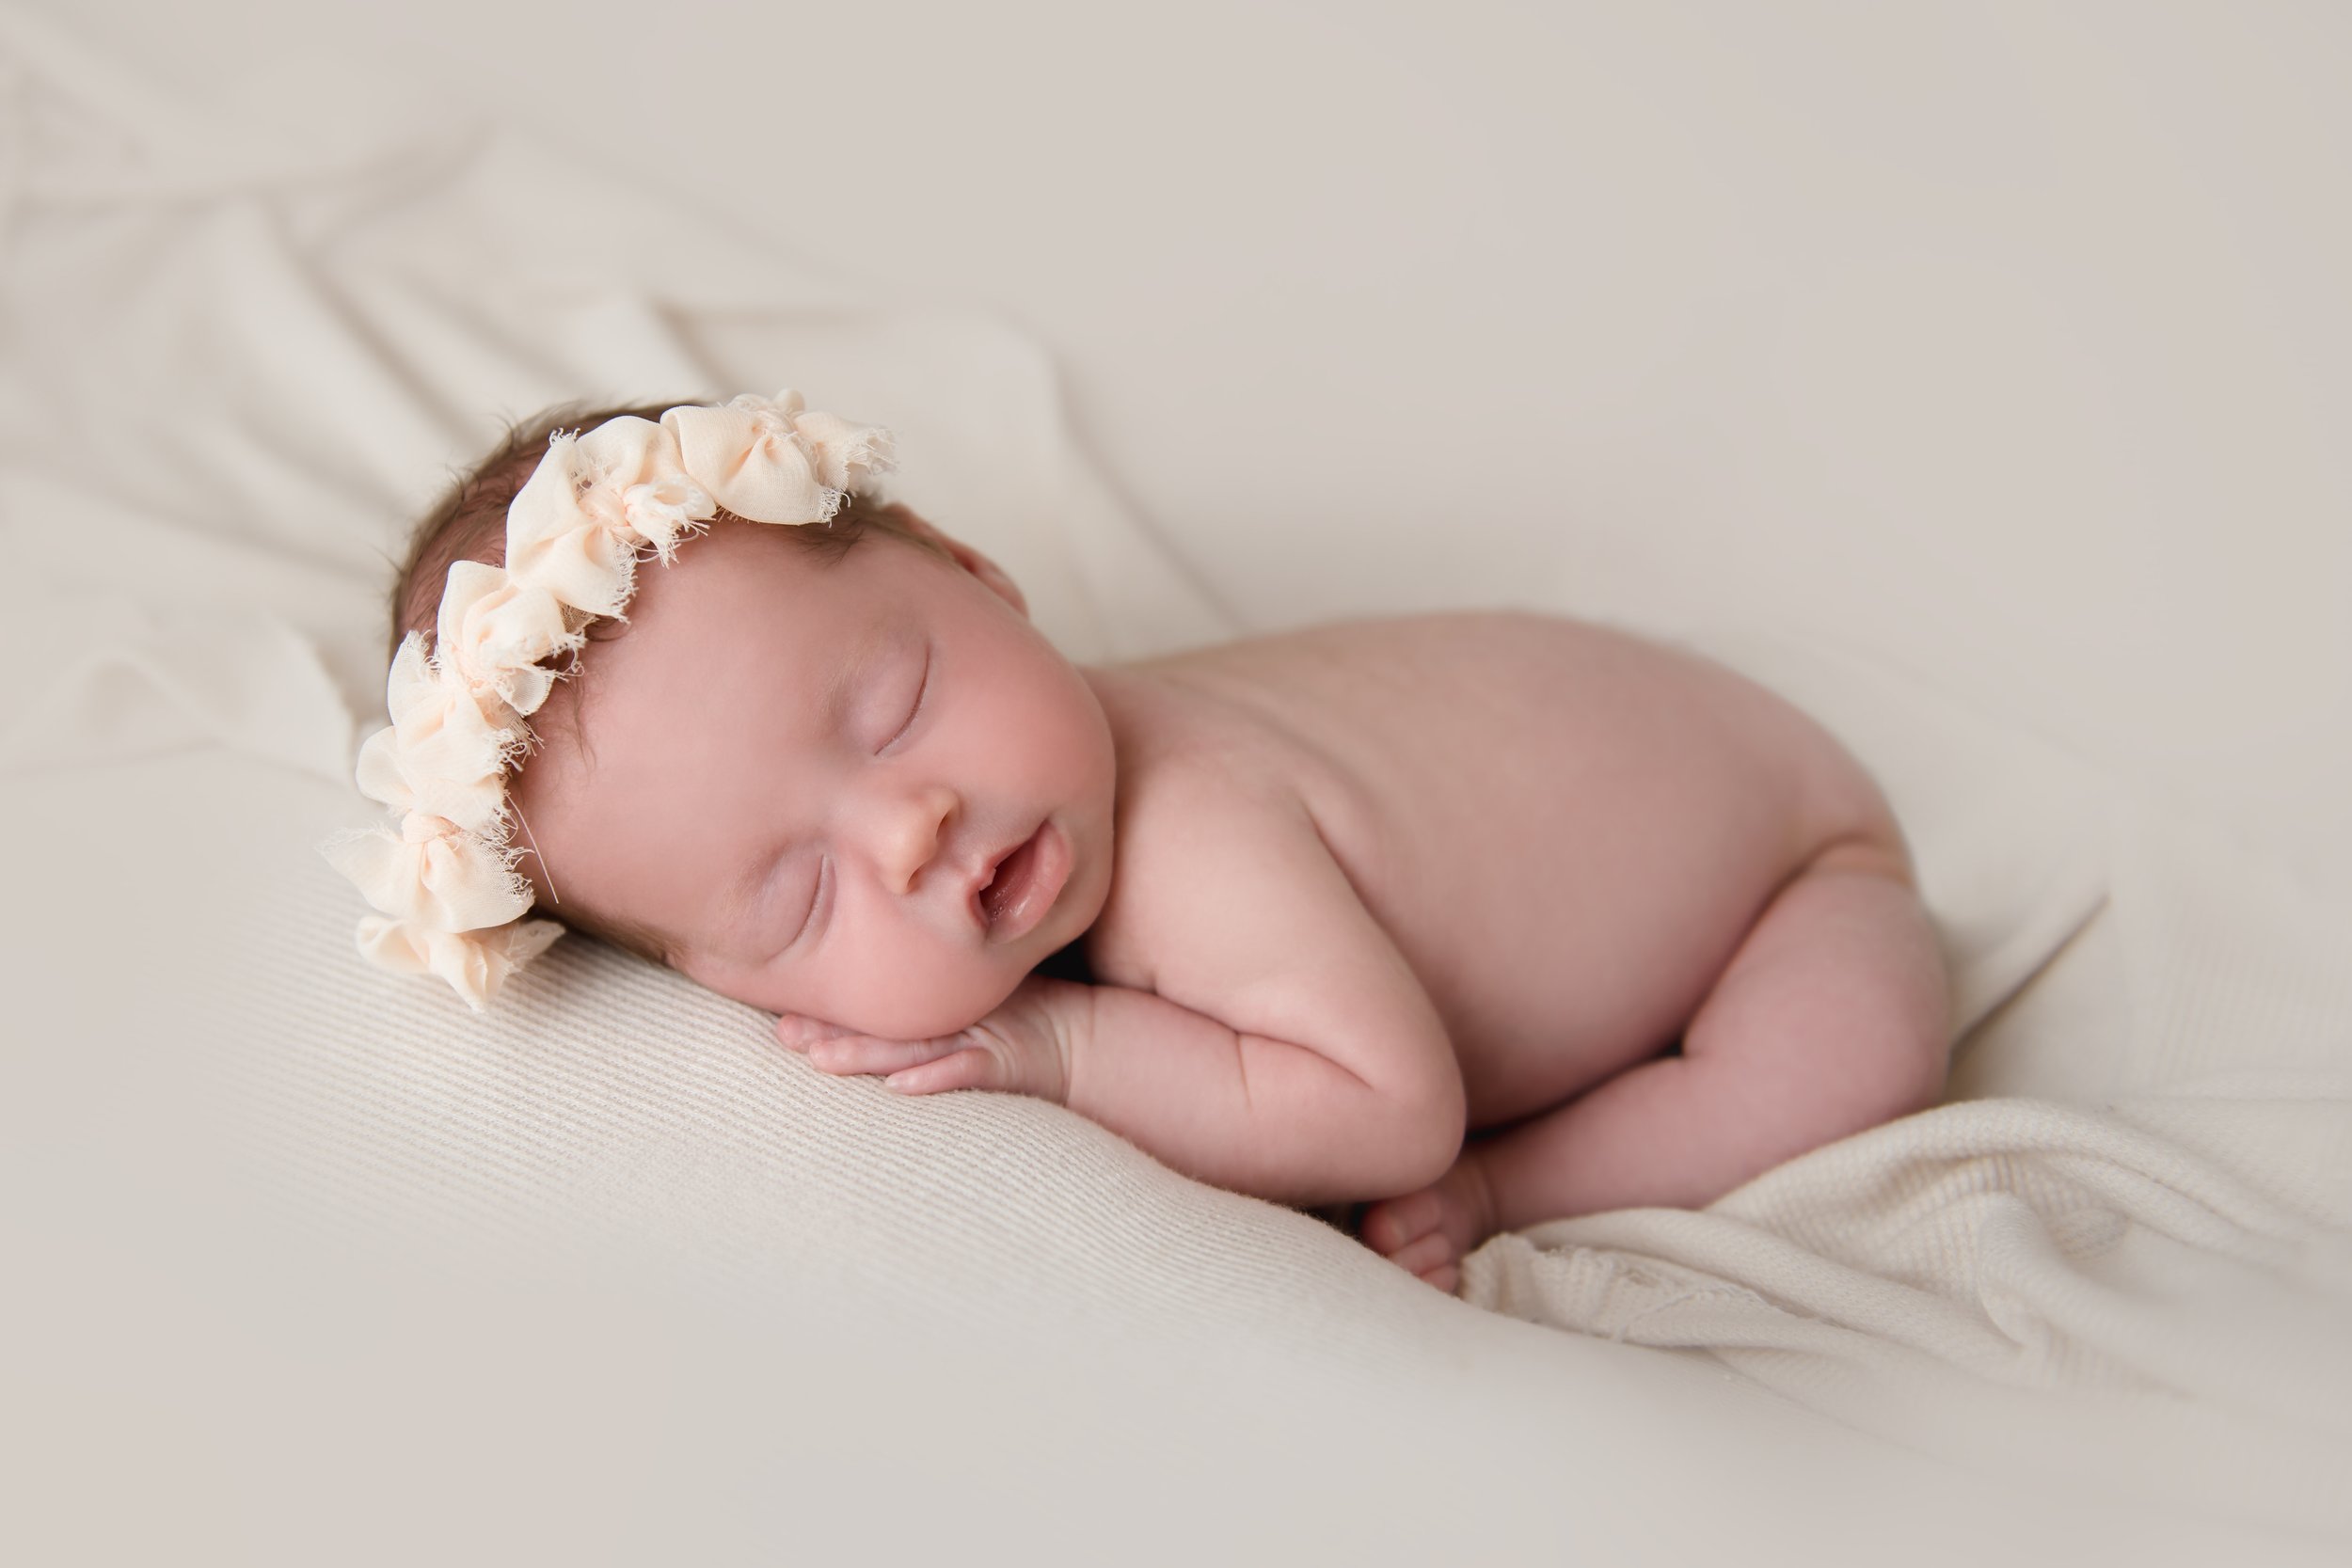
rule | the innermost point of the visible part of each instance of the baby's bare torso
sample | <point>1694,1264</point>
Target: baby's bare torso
<point>1564,829</point>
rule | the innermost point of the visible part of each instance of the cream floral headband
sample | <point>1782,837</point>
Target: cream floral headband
<point>451,902</point>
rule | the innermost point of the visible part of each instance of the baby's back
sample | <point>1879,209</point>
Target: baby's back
<point>1564,829</point>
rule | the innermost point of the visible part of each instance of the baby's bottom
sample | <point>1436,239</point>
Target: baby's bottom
<point>1831,1017</point>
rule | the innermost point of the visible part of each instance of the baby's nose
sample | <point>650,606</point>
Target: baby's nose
<point>911,833</point>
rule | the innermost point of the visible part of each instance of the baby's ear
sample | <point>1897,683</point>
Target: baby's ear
<point>972,561</point>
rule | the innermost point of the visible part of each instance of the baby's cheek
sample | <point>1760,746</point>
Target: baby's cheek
<point>751,987</point>
<point>924,997</point>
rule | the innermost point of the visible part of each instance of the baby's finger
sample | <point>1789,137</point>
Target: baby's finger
<point>972,1068</point>
<point>798,1033</point>
<point>855,1053</point>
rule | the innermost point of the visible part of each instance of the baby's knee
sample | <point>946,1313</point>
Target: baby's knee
<point>1903,1054</point>
<point>1916,1072</point>
<point>1876,1064</point>
<point>1843,989</point>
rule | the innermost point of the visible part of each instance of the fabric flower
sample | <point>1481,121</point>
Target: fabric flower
<point>747,453</point>
<point>475,963</point>
<point>493,631</point>
<point>432,872</point>
<point>576,525</point>
<point>847,455</point>
<point>441,754</point>
<point>662,510</point>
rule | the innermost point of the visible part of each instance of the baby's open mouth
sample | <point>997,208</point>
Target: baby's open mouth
<point>1025,884</point>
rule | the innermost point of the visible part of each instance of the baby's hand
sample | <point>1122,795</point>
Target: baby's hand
<point>1020,1047</point>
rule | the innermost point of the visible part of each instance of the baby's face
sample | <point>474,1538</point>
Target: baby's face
<point>798,772</point>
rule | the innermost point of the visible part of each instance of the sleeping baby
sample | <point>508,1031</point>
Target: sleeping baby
<point>1464,922</point>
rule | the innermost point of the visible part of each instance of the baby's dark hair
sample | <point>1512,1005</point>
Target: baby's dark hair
<point>469,523</point>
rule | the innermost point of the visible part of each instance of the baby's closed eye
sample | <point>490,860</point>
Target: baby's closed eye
<point>816,897</point>
<point>914,710</point>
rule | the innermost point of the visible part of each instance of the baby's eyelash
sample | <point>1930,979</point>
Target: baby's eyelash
<point>815,899</point>
<point>921,694</point>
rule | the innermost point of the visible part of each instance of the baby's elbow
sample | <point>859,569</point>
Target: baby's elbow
<point>1422,1138</point>
<point>1434,1153</point>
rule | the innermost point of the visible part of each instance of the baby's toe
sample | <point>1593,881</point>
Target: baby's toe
<point>1396,1223</point>
<point>1441,1224</point>
<point>1432,1251</point>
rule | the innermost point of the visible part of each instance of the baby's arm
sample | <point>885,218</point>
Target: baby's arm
<point>1279,1044</point>
<point>1249,1112</point>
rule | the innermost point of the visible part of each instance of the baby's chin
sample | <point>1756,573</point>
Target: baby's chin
<point>884,1016</point>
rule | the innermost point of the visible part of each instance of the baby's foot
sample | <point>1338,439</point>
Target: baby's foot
<point>1429,1232</point>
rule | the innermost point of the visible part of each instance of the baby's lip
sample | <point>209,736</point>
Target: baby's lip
<point>1027,887</point>
<point>978,881</point>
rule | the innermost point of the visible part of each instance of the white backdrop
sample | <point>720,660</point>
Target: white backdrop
<point>2004,341</point>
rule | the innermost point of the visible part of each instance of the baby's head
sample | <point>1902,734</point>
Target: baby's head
<point>790,767</point>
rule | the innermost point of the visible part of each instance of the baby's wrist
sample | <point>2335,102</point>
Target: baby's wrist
<point>1068,1006</point>
<point>1033,1038</point>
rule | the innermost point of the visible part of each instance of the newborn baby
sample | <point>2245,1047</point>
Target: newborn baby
<point>1479,920</point>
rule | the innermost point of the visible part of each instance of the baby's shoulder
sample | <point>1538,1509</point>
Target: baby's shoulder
<point>1191,746</point>
<point>1227,898</point>
<point>1191,834</point>
<point>1210,802</point>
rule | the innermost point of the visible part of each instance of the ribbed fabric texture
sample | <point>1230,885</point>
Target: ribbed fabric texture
<point>614,1100</point>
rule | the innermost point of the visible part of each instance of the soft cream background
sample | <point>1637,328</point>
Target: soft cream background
<point>1757,307</point>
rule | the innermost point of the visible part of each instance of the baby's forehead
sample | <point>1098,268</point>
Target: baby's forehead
<point>759,572</point>
<point>732,638</point>
<point>728,593</point>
